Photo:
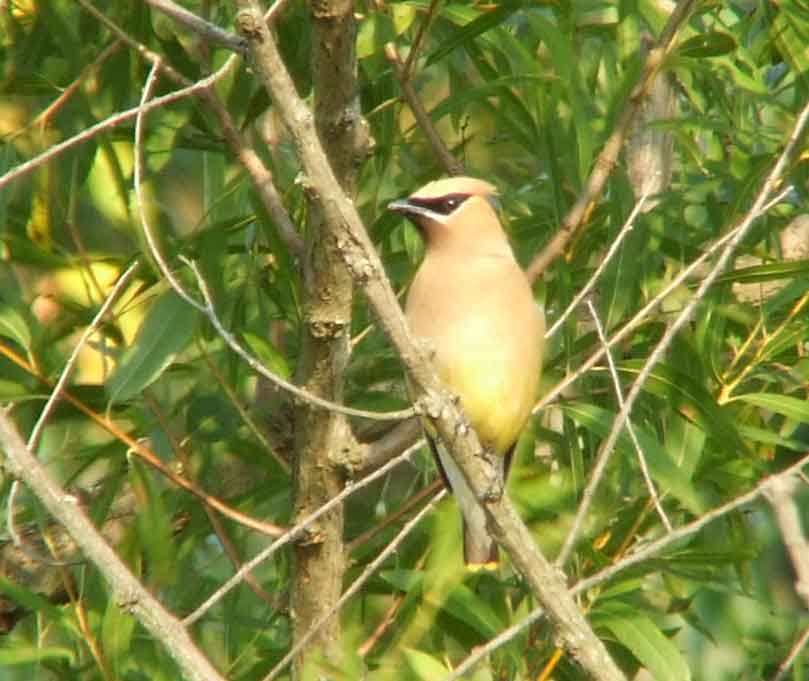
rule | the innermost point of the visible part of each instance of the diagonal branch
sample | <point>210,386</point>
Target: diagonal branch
<point>365,266</point>
<point>129,594</point>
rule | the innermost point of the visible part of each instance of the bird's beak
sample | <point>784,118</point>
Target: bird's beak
<point>412,211</point>
<point>401,206</point>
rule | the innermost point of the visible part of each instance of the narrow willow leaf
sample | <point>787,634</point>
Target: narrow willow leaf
<point>473,611</point>
<point>791,407</point>
<point>663,470</point>
<point>164,333</point>
<point>22,654</point>
<point>688,396</point>
<point>14,326</point>
<point>424,666</point>
<point>476,27</point>
<point>28,599</point>
<point>710,44</point>
<point>647,643</point>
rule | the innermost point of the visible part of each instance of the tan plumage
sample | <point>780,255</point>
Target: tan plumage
<point>472,305</point>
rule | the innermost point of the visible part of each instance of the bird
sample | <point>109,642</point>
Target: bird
<point>471,307</point>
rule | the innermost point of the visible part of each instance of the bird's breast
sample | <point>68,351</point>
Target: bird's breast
<point>486,334</point>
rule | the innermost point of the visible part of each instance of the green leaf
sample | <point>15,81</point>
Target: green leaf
<point>117,628</point>
<point>23,654</point>
<point>664,471</point>
<point>267,354</point>
<point>14,326</point>
<point>424,666</point>
<point>711,44</point>
<point>791,407</point>
<point>485,22</point>
<point>769,272</point>
<point>164,333</point>
<point>643,638</point>
<point>28,599</point>
<point>691,398</point>
<point>768,437</point>
<point>380,28</point>
<point>473,611</point>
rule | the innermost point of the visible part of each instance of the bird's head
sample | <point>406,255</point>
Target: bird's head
<point>456,213</point>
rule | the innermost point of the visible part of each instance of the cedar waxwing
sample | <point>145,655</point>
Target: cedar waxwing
<point>472,306</point>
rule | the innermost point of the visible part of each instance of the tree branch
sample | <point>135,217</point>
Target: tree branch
<point>129,594</point>
<point>364,264</point>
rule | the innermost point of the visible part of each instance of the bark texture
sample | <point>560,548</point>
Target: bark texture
<point>320,434</point>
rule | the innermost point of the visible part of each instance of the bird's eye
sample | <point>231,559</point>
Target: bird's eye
<point>451,203</point>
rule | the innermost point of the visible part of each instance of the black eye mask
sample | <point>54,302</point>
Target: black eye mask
<point>443,205</point>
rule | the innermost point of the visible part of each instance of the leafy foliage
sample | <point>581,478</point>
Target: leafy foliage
<point>525,94</point>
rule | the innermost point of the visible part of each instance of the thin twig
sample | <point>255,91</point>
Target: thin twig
<point>248,420</point>
<point>205,29</point>
<point>56,394</point>
<point>44,116</point>
<point>450,164</point>
<point>290,535</point>
<point>789,660</point>
<point>247,155</point>
<point>356,585</point>
<point>216,523</point>
<point>407,70</point>
<point>104,126</point>
<point>140,450</point>
<point>390,614</point>
<point>629,427</point>
<point>613,249</point>
<point>208,310</point>
<point>779,495</point>
<point>641,315</point>
<point>425,493</point>
<point>660,349</point>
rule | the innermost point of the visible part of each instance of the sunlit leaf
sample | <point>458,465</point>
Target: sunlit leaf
<point>167,329</point>
<point>644,639</point>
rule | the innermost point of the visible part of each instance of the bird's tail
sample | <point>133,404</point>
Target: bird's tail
<point>479,549</point>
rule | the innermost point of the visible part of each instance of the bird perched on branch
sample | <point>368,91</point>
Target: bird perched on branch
<point>472,306</point>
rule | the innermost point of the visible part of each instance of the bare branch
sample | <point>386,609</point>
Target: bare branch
<point>639,556</point>
<point>789,660</point>
<point>56,393</point>
<point>141,451</point>
<point>613,249</point>
<point>641,316</point>
<point>106,125</point>
<point>450,164</point>
<point>207,307</point>
<point>205,29</point>
<point>129,594</point>
<point>630,429</point>
<point>779,495</point>
<point>259,173</point>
